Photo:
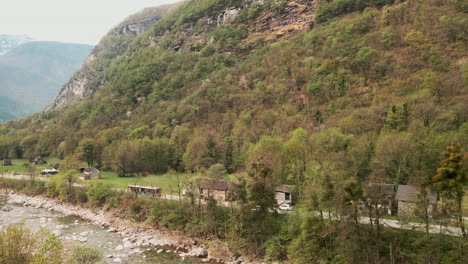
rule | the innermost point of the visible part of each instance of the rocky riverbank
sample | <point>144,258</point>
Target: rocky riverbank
<point>135,235</point>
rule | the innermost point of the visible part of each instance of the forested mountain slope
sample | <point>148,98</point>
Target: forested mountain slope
<point>325,95</point>
<point>213,89</point>
<point>91,76</point>
<point>33,73</point>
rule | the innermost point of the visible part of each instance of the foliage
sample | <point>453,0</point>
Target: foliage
<point>371,92</point>
<point>19,245</point>
<point>85,255</point>
<point>98,193</point>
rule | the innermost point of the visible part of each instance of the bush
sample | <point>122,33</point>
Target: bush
<point>18,245</point>
<point>85,255</point>
<point>98,193</point>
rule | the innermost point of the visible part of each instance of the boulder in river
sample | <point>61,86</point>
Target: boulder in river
<point>119,247</point>
<point>128,244</point>
<point>7,208</point>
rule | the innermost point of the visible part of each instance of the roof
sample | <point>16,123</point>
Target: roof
<point>144,187</point>
<point>284,188</point>
<point>409,193</point>
<point>89,169</point>
<point>219,185</point>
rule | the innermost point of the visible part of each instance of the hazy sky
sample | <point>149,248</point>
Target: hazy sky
<point>79,21</point>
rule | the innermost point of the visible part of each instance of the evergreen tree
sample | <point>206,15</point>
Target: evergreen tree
<point>451,179</point>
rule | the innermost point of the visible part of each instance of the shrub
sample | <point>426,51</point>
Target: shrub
<point>98,193</point>
<point>85,255</point>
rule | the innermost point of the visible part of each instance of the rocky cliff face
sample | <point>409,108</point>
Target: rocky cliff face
<point>293,17</point>
<point>91,76</point>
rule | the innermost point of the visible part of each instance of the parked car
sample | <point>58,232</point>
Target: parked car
<point>285,207</point>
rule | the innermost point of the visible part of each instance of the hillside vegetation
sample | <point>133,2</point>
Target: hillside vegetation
<point>92,75</point>
<point>325,95</point>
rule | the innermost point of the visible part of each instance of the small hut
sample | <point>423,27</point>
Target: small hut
<point>90,173</point>
<point>145,190</point>
<point>408,198</point>
<point>7,162</point>
<point>283,194</point>
<point>220,190</point>
<point>49,172</point>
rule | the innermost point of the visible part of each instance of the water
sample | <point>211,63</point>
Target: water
<point>72,228</point>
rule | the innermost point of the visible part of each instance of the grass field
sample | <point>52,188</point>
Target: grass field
<point>168,182</point>
<point>18,166</point>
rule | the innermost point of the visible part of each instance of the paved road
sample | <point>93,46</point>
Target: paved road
<point>433,229</point>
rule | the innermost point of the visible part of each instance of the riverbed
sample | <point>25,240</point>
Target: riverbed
<point>74,231</point>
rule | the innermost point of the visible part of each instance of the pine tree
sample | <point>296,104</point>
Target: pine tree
<point>450,180</point>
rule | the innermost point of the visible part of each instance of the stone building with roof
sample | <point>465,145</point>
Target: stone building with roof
<point>283,193</point>
<point>90,173</point>
<point>220,190</point>
<point>409,199</point>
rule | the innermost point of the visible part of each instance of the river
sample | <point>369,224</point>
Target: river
<point>75,231</point>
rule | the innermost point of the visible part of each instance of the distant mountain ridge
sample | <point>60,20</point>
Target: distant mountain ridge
<point>33,73</point>
<point>10,42</point>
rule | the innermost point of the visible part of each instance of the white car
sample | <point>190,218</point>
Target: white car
<point>285,207</point>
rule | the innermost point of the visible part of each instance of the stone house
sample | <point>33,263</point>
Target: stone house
<point>90,173</point>
<point>409,197</point>
<point>283,194</point>
<point>220,190</point>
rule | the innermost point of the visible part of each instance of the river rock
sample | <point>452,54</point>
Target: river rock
<point>7,208</point>
<point>119,247</point>
<point>128,244</point>
<point>112,230</point>
<point>117,260</point>
<point>160,251</point>
<point>110,256</point>
<point>198,252</point>
<point>57,233</point>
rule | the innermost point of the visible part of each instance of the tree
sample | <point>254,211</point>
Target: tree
<point>310,246</point>
<point>228,157</point>
<point>98,192</point>
<point>353,198</point>
<point>216,171</point>
<point>395,157</point>
<point>297,150</point>
<point>18,245</point>
<point>88,150</point>
<point>451,179</point>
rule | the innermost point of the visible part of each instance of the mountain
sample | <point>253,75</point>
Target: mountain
<point>330,96</point>
<point>10,42</point>
<point>33,73</point>
<point>91,76</point>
